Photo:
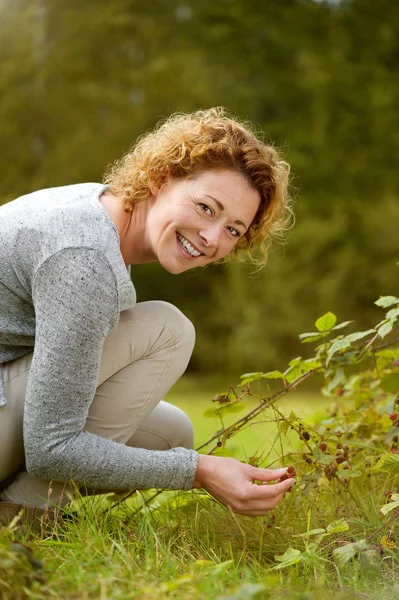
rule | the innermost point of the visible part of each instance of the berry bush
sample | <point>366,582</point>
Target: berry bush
<point>346,462</point>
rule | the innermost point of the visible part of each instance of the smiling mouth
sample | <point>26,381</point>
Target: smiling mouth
<point>187,247</point>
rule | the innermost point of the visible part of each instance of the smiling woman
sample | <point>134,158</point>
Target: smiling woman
<point>83,366</point>
<point>187,147</point>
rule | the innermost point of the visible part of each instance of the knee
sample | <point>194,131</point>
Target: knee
<point>182,433</point>
<point>173,318</point>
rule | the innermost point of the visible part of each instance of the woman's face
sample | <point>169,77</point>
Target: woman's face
<point>198,220</point>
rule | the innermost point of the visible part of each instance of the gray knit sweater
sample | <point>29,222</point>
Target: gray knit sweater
<point>63,284</point>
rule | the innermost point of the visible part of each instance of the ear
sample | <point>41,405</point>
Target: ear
<point>154,190</point>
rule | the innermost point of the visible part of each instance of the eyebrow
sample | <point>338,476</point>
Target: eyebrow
<point>221,207</point>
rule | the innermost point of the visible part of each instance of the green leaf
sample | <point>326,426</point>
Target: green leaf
<point>342,325</point>
<point>370,564</point>
<point>385,329</point>
<point>292,556</point>
<point>344,554</point>
<point>273,375</point>
<point>388,463</point>
<point>353,337</point>
<point>337,526</point>
<point>347,474</point>
<point>289,554</point>
<point>390,382</point>
<point>338,379</point>
<point>326,322</point>
<point>311,337</point>
<point>393,313</point>
<point>309,364</point>
<point>310,533</point>
<point>335,347</point>
<point>249,377</point>
<point>390,506</point>
<point>385,301</point>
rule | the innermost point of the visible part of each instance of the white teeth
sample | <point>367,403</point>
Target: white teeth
<point>188,246</point>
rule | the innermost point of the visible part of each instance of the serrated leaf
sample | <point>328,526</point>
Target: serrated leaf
<point>309,364</point>
<point>311,337</point>
<point>385,329</point>
<point>342,325</point>
<point>390,382</point>
<point>295,361</point>
<point>386,301</point>
<point>289,554</point>
<point>353,337</point>
<point>235,407</point>
<point>273,375</point>
<point>345,553</point>
<point>347,474</point>
<point>388,463</point>
<point>249,377</point>
<point>310,533</point>
<point>388,507</point>
<point>393,313</point>
<point>337,526</point>
<point>336,347</point>
<point>326,322</point>
<point>292,556</point>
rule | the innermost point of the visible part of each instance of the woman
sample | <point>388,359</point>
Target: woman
<point>85,367</point>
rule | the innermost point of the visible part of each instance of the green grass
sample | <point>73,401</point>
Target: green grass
<point>186,546</point>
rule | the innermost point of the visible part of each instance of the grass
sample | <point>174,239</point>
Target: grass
<point>186,546</point>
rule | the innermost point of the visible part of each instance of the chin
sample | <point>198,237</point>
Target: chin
<point>172,267</point>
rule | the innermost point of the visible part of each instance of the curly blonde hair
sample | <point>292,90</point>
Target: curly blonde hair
<point>186,144</point>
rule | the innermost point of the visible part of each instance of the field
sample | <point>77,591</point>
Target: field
<point>186,546</point>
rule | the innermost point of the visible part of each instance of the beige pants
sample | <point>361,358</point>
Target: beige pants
<point>142,359</point>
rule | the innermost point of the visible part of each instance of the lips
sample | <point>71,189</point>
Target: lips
<point>187,247</point>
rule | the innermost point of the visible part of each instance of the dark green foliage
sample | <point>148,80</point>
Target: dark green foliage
<point>79,81</point>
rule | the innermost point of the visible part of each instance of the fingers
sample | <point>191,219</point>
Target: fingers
<point>271,491</point>
<point>267,474</point>
<point>257,508</point>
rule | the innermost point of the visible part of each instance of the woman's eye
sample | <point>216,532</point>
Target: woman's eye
<point>206,208</point>
<point>234,231</point>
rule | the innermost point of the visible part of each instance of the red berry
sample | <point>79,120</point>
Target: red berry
<point>388,495</point>
<point>323,446</point>
<point>395,439</point>
<point>340,459</point>
<point>291,472</point>
<point>396,363</point>
<point>393,416</point>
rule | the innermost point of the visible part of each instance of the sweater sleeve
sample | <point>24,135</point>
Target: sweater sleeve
<point>76,305</point>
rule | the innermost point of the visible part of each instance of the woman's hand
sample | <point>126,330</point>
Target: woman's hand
<point>232,483</point>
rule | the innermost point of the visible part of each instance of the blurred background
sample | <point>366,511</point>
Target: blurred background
<point>80,80</point>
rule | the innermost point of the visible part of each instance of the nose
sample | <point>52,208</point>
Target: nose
<point>211,235</point>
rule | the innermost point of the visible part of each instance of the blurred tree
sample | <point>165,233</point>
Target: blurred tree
<point>79,81</point>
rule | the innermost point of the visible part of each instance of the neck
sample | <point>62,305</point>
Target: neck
<point>132,228</point>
